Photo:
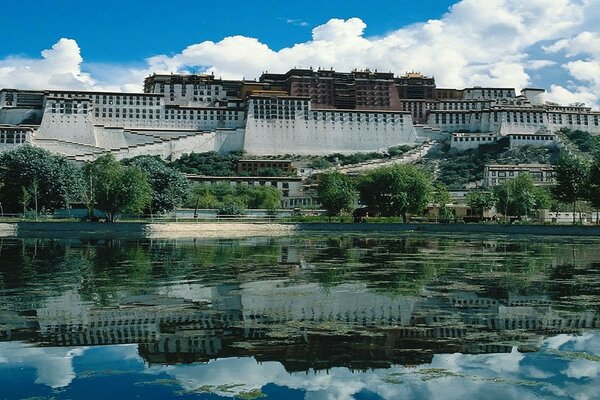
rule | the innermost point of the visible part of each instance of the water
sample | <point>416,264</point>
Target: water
<point>301,317</point>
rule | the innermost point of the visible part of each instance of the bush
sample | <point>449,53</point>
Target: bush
<point>230,211</point>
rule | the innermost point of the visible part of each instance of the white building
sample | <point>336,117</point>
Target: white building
<point>495,174</point>
<point>180,114</point>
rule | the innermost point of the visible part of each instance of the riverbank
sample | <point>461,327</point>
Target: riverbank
<point>245,229</point>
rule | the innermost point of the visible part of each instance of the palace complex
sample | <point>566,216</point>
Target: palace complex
<point>303,111</point>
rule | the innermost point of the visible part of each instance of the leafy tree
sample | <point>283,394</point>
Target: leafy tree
<point>480,200</point>
<point>321,163</point>
<point>584,141</point>
<point>202,197</point>
<point>265,197</point>
<point>440,198</point>
<point>115,188</point>
<point>169,186</point>
<point>221,194</point>
<point>593,193</point>
<point>395,190</point>
<point>571,180</point>
<point>520,196</point>
<point>51,181</point>
<point>210,163</point>
<point>230,210</point>
<point>337,193</point>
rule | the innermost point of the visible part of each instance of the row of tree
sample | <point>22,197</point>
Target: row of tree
<point>577,182</point>
<point>402,189</point>
<point>387,191</point>
<point>34,180</point>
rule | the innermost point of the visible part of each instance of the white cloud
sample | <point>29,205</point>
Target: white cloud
<point>470,45</point>
<point>59,67</point>
<point>54,365</point>
<point>295,22</point>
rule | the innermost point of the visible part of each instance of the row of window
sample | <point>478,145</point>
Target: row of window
<point>537,175</point>
<point>12,138</point>
<point>532,137</point>
<point>473,139</point>
<point>341,117</point>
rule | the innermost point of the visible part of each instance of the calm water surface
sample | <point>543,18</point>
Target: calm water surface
<point>302,317</point>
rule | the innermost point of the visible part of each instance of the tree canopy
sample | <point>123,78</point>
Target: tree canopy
<point>337,193</point>
<point>395,190</point>
<point>115,188</point>
<point>169,186</point>
<point>33,178</point>
<point>480,200</point>
<point>243,196</point>
<point>209,163</point>
<point>571,174</point>
<point>520,196</point>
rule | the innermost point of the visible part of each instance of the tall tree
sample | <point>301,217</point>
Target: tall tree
<point>169,186</point>
<point>593,193</point>
<point>337,193</point>
<point>115,188</point>
<point>520,196</point>
<point>396,190</point>
<point>571,180</point>
<point>51,181</point>
<point>480,200</point>
<point>440,198</point>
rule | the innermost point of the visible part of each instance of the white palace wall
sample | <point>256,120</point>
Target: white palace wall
<point>289,126</point>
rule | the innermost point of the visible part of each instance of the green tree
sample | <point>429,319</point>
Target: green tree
<point>571,180</point>
<point>169,186</point>
<point>115,188</point>
<point>265,197</point>
<point>209,164</point>
<point>396,190</point>
<point>593,192</point>
<point>480,200</point>
<point>202,197</point>
<point>52,182</point>
<point>337,193</point>
<point>440,198</point>
<point>520,196</point>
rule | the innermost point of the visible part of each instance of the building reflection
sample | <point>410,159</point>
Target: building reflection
<point>302,326</point>
<point>307,303</point>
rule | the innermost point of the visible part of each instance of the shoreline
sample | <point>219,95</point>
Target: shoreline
<point>246,229</point>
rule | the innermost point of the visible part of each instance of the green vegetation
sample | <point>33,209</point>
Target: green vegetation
<point>440,197</point>
<point>34,179</point>
<point>572,176</point>
<point>337,193</point>
<point>169,186</point>
<point>455,169</point>
<point>356,158</point>
<point>520,197</point>
<point>215,164</point>
<point>593,192</point>
<point>242,196</point>
<point>480,200</point>
<point>115,188</point>
<point>583,141</point>
<point>209,164</point>
<point>395,190</point>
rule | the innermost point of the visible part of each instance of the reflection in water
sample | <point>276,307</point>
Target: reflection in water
<point>381,317</point>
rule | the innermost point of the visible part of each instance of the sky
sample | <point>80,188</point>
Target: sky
<point>114,45</point>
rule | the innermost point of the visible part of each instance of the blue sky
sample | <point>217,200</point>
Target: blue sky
<point>129,31</point>
<point>113,45</point>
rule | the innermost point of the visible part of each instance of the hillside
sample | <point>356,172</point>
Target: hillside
<point>456,169</point>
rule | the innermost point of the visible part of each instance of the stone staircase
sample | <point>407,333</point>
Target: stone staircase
<point>136,140</point>
<point>409,157</point>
